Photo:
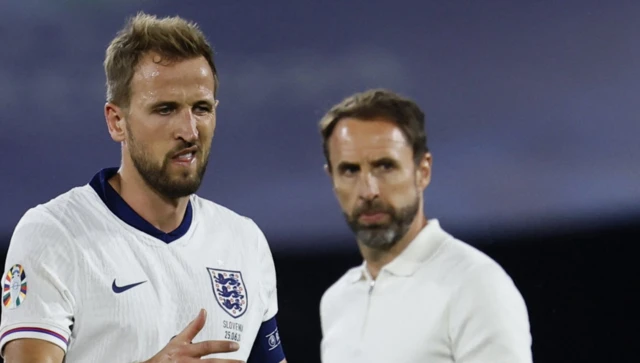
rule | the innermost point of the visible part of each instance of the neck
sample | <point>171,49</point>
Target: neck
<point>163,213</point>
<point>376,259</point>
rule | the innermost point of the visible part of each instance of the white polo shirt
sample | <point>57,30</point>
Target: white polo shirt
<point>440,300</point>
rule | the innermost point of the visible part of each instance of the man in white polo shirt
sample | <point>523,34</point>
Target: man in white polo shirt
<point>420,295</point>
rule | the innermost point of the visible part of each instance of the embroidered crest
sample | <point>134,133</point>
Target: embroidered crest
<point>273,339</point>
<point>15,287</point>
<point>230,291</point>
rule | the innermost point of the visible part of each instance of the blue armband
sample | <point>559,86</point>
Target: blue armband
<point>267,347</point>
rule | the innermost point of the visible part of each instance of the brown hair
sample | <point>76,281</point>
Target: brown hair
<point>173,38</point>
<point>379,103</point>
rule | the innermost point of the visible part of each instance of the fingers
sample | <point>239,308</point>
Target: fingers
<point>185,348</point>
<point>212,346</point>
<point>193,328</point>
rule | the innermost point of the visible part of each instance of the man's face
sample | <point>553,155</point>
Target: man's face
<point>170,123</point>
<point>376,180</point>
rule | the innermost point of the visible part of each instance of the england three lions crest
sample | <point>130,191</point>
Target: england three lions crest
<point>230,291</point>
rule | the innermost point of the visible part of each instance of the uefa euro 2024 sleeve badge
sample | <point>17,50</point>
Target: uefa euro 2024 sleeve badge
<point>230,291</point>
<point>15,287</point>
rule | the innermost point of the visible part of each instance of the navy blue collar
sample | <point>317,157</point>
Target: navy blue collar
<point>117,205</point>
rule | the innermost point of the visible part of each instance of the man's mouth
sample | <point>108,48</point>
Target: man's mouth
<point>372,217</point>
<point>186,155</point>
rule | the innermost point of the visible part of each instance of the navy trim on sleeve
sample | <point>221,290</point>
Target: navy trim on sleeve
<point>267,347</point>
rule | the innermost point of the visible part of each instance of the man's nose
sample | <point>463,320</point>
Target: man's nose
<point>368,188</point>
<point>187,128</point>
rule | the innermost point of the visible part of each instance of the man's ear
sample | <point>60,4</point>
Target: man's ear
<point>423,171</point>
<point>327,170</point>
<point>115,117</point>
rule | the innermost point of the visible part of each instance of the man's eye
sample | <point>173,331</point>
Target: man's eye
<point>349,170</point>
<point>164,111</point>
<point>203,109</point>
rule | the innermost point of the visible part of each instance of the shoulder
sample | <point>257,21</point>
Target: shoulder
<point>475,277</point>
<point>458,261</point>
<point>484,277</point>
<point>224,217</point>
<point>69,211</point>
<point>341,292</point>
<point>336,291</point>
<point>60,215</point>
<point>247,237</point>
<point>46,231</point>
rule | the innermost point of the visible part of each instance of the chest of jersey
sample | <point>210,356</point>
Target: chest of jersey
<point>143,294</point>
<point>398,319</point>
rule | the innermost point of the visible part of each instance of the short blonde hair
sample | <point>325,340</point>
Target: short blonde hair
<point>173,38</point>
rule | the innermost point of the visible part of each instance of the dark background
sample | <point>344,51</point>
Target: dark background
<point>532,115</point>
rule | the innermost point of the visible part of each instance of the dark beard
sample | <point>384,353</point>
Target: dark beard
<point>386,235</point>
<point>158,177</point>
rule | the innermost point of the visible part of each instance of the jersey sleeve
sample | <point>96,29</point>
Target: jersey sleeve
<point>36,301</point>
<point>269,281</point>
<point>267,347</point>
<point>489,320</point>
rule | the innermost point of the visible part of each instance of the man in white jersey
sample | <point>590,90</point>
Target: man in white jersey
<point>134,266</point>
<point>420,295</point>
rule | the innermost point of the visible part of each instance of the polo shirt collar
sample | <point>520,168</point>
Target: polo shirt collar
<point>423,247</point>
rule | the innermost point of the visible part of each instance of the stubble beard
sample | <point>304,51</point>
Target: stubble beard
<point>385,235</point>
<point>158,177</point>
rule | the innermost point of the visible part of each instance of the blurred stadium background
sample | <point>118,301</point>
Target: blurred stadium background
<point>532,111</point>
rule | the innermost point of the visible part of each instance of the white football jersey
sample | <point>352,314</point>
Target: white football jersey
<point>87,273</point>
